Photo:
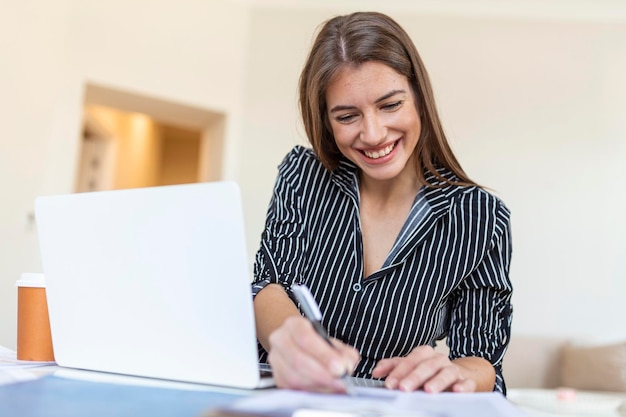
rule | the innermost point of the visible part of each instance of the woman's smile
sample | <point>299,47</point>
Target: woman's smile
<point>376,154</point>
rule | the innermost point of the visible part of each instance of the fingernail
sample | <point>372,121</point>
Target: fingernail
<point>391,383</point>
<point>432,388</point>
<point>405,386</point>
<point>337,368</point>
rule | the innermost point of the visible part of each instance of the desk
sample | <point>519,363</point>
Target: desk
<point>31,389</point>
<point>55,396</point>
<point>63,395</point>
<point>59,396</point>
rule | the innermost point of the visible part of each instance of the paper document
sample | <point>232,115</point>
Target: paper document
<point>377,402</point>
<point>8,360</point>
<point>13,370</point>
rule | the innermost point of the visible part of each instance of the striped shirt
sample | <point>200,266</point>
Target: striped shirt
<point>445,276</point>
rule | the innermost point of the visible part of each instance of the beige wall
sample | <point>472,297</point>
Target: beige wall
<point>35,55</point>
<point>533,105</point>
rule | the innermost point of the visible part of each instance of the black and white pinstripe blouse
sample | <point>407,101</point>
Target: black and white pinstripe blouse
<point>446,275</point>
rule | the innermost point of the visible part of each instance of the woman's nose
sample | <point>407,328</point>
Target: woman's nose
<point>373,132</point>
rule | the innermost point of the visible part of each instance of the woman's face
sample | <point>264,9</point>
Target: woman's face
<point>374,120</point>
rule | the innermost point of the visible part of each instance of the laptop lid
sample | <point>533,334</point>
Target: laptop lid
<point>151,282</point>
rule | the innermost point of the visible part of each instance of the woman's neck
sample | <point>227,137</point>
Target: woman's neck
<point>389,191</point>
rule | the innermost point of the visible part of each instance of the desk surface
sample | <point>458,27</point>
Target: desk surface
<point>51,391</point>
<point>60,394</point>
<point>53,396</point>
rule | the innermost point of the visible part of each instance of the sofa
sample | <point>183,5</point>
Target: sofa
<point>551,376</point>
<point>557,376</point>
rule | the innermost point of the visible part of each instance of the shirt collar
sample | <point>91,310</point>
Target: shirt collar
<point>346,176</point>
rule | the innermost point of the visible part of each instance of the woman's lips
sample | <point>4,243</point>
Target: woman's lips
<point>380,153</point>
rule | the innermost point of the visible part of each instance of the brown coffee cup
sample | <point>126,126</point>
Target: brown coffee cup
<point>34,341</point>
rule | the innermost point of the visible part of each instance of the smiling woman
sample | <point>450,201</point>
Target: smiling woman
<point>397,245</point>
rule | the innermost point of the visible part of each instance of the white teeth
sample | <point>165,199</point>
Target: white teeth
<point>381,153</point>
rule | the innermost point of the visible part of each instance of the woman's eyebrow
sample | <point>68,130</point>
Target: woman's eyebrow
<point>342,108</point>
<point>392,93</point>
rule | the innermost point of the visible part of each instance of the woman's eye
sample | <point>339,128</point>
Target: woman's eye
<point>345,118</point>
<point>392,106</point>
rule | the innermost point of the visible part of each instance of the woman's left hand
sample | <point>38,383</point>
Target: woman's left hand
<point>432,371</point>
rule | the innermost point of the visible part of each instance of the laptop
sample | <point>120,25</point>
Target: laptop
<point>151,282</point>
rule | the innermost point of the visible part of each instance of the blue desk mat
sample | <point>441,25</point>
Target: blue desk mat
<point>53,396</point>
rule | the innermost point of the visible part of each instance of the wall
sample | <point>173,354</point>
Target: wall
<point>535,110</point>
<point>35,54</point>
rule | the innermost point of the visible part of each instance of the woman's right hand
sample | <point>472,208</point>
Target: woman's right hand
<point>302,360</point>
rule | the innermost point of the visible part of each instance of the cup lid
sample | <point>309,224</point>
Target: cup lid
<point>31,279</point>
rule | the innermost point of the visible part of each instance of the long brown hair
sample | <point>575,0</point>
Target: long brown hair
<point>353,40</point>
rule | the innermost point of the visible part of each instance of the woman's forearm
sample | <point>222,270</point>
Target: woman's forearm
<point>272,306</point>
<point>478,369</point>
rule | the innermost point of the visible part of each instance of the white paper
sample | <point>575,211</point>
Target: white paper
<point>8,360</point>
<point>13,370</point>
<point>378,402</point>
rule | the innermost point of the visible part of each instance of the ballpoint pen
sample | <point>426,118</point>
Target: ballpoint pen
<point>312,312</point>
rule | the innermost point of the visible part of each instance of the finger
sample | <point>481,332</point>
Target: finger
<point>390,369</point>
<point>293,366</point>
<point>309,341</point>
<point>419,375</point>
<point>410,372</point>
<point>466,385</point>
<point>303,360</point>
<point>304,375</point>
<point>444,379</point>
<point>350,355</point>
<point>290,365</point>
<point>296,370</point>
<point>384,366</point>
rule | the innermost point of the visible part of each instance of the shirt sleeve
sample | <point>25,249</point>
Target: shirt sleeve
<point>482,311</point>
<point>279,258</point>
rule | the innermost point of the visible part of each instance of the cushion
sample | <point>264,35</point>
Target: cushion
<point>600,367</point>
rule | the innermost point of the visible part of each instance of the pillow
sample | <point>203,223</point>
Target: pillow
<point>598,368</point>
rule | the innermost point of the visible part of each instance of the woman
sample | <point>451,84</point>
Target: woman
<point>398,246</point>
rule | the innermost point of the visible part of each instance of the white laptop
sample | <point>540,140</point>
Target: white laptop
<point>151,282</point>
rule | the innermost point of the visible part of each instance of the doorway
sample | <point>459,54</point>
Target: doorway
<point>132,141</point>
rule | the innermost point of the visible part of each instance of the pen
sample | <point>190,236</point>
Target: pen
<point>312,312</point>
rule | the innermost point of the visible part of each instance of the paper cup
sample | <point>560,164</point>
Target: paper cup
<point>34,342</point>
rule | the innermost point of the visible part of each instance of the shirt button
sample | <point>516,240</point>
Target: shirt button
<point>356,286</point>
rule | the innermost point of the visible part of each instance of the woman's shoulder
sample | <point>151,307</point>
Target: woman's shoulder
<point>300,164</point>
<point>297,156</point>
<point>480,198</point>
<point>483,210</point>
<point>474,200</point>
<point>298,160</point>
